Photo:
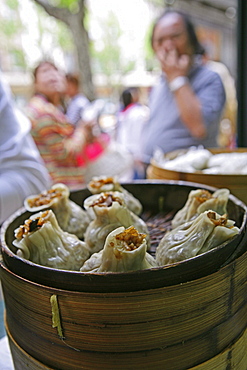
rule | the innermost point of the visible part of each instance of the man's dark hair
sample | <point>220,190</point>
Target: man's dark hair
<point>197,47</point>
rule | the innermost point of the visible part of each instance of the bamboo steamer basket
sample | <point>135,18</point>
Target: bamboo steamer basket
<point>190,325</point>
<point>237,184</point>
<point>190,315</point>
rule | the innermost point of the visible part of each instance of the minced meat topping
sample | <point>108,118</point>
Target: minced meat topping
<point>131,237</point>
<point>44,198</point>
<point>204,195</point>
<point>106,200</point>
<point>30,226</point>
<point>222,221</point>
<point>97,184</point>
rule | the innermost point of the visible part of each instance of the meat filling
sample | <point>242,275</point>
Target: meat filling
<point>131,238</point>
<point>30,226</point>
<point>44,198</point>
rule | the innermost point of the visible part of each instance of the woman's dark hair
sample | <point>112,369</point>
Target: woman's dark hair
<point>35,71</point>
<point>197,47</point>
<point>127,97</point>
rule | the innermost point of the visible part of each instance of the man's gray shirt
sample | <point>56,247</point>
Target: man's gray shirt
<point>165,129</point>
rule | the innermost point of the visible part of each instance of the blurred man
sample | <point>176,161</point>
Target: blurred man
<point>187,103</point>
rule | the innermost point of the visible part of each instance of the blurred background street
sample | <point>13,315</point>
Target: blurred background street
<point>118,52</point>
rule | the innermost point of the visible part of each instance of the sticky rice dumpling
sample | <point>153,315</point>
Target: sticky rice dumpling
<point>42,241</point>
<point>70,216</point>
<point>110,212</point>
<point>201,200</point>
<point>192,238</point>
<point>100,184</point>
<point>124,250</point>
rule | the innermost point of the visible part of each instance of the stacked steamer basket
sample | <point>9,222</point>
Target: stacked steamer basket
<point>189,315</point>
<point>236,183</point>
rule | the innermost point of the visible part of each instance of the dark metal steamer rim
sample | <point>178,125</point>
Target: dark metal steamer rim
<point>161,199</point>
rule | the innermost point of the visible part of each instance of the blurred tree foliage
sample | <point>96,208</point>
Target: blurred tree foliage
<point>107,59</point>
<point>73,14</point>
<point>10,29</point>
<point>52,35</point>
<point>150,60</point>
<point>107,54</point>
<point>104,55</point>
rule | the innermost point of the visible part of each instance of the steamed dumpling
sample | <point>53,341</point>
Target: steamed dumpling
<point>110,212</point>
<point>70,216</point>
<point>205,232</point>
<point>196,158</point>
<point>42,241</point>
<point>104,184</point>
<point>201,200</point>
<point>217,203</point>
<point>228,163</point>
<point>124,250</point>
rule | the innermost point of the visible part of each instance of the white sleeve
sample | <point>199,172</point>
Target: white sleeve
<point>22,171</point>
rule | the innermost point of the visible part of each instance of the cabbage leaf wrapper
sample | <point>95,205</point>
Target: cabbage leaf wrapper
<point>199,201</point>
<point>70,217</point>
<point>110,212</point>
<point>102,184</point>
<point>195,237</point>
<point>42,241</point>
<point>124,250</point>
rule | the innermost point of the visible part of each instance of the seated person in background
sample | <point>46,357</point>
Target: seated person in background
<point>59,142</point>
<point>131,121</point>
<point>227,135</point>
<point>22,171</point>
<point>77,101</point>
<point>187,104</point>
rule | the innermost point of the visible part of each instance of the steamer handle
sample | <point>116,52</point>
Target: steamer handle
<point>56,320</point>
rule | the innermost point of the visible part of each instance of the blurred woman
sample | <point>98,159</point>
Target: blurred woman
<point>59,142</point>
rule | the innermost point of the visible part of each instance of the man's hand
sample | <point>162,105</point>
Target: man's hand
<point>172,64</point>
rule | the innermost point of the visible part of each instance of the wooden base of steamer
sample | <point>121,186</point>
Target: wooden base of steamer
<point>198,325</point>
<point>234,357</point>
<point>21,359</point>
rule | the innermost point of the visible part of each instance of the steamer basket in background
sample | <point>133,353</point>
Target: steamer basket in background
<point>190,315</point>
<point>237,184</point>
